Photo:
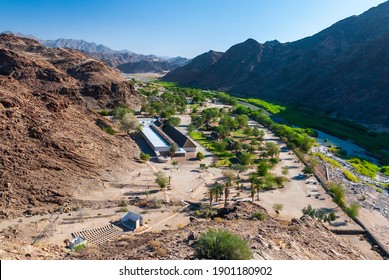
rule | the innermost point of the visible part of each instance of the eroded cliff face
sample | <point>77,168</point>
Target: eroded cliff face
<point>50,143</point>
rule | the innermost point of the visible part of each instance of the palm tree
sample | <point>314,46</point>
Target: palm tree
<point>226,193</point>
<point>211,193</point>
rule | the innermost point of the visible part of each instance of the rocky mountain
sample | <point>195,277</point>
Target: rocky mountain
<point>341,70</point>
<point>126,61</point>
<point>51,142</point>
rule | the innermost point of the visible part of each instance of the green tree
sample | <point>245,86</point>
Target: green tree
<point>247,131</point>
<point>128,122</point>
<point>161,179</point>
<point>242,120</point>
<point>272,149</point>
<point>174,121</point>
<point>191,128</point>
<point>222,245</point>
<point>245,158</point>
<point>256,132</point>
<point>285,170</point>
<point>263,168</point>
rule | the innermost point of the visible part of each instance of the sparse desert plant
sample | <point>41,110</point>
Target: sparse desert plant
<point>144,156</point>
<point>218,219</point>
<point>200,156</point>
<point>222,245</point>
<point>161,179</point>
<point>259,216</point>
<point>123,209</point>
<point>175,164</point>
<point>278,207</point>
<point>339,194</point>
<point>353,210</point>
<point>123,203</point>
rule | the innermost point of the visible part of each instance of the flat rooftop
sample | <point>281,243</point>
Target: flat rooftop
<point>155,139</point>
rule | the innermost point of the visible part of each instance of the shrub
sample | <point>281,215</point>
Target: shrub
<point>123,209</point>
<point>339,195</point>
<point>104,112</point>
<point>259,216</point>
<point>122,203</point>
<point>144,156</point>
<point>222,245</point>
<point>109,130</point>
<point>200,156</point>
<point>278,207</point>
<point>79,247</point>
<point>353,210</point>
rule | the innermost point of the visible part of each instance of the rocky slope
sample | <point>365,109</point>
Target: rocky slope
<point>50,143</point>
<point>341,71</point>
<point>270,239</point>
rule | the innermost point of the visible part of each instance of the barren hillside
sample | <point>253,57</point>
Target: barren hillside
<point>50,142</point>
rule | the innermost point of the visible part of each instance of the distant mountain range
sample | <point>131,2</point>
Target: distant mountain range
<point>126,61</point>
<point>342,71</point>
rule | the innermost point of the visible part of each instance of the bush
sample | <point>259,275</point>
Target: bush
<point>200,156</point>
<point>109,130</point>
<point>278,207</point>
<point>353,210</point>
<point>259,216</point>
<point>339,195</point>
<point>222,245</point>
<point>104,112</point>
<point>364,167</point>
<point>144,156</point>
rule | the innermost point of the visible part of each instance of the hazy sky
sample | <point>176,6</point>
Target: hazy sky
<point>175,27</point>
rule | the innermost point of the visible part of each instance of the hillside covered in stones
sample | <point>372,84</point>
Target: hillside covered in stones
<point>50,141</point>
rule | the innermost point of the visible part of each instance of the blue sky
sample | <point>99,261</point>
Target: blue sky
<point>175,27</point>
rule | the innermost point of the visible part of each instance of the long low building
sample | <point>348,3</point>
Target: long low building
<point>154,139</point>
<point>161,136</point>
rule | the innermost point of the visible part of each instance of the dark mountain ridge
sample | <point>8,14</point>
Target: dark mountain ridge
<point>341,70</point>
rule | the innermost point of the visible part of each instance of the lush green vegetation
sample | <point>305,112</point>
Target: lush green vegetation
<point>374,142</point>
<point>364,167</point>
<point>334,163</point>
<point>385,170</point>
<point>270,107</point>
<point>222,245</point>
